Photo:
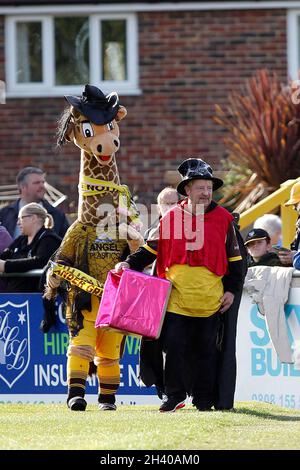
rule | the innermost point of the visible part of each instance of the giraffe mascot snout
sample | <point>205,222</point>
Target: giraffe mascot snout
<point>96,241</point>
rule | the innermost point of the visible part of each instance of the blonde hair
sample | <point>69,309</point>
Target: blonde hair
<point>33,208</point>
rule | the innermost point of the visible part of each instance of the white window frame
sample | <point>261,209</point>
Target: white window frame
<point>293,44</point>
<point>48,87</point>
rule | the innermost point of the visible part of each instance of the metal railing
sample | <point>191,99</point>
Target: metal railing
<point>31,273</point>
<point>38,272</point>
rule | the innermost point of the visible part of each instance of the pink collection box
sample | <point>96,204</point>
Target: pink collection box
<point>133,303</point>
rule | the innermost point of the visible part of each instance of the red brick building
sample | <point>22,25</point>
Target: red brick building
<point>176,60</point>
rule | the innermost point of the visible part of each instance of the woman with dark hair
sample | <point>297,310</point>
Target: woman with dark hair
<point>31,250</point>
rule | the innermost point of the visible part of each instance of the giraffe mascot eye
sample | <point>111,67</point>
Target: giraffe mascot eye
<point>87,129</point>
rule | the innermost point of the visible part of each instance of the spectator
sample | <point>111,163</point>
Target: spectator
<point>151,353</point>
<point>31,184</point>
<point>5,238</point>
<point>226,361</point>
<point>258,244</point>
<point>31,250</point>
<point>271,223</point>
<point>5,241</point>
<point>286,256</point>
<point>196,267</point>
<point>296,260</point>
<point>166,199</point>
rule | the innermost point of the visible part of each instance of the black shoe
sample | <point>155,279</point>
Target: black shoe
<point>107,406</point>
<point>104,399</point>
<point>171,405</point>
<point>203,408</point>
<point>77,404</point>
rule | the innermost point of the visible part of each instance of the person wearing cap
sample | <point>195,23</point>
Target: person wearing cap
<point>287,256</point>
<point>198,252</point>
<point>258,243</point>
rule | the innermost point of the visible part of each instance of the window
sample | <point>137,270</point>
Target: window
<point>71,40</point>
<point>113,42</point>
<point>29,52</point>
<point>55,55</point>
<point>293,43</point>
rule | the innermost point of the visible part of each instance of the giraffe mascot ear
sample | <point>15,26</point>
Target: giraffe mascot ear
<point>66,127</point>
<point>122,112</point>
<point>69,132</point>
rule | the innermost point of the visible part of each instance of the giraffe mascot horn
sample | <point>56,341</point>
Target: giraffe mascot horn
<point>102,235</point>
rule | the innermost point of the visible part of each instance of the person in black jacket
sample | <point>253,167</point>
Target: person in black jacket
<point>286,256</point>
<point>226,364</point>
<point>151,351</point>
<point>31,250</point>
<point>31,184</point>
<point>258,244</point>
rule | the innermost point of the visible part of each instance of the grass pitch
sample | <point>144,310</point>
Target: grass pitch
<point>54,427</point>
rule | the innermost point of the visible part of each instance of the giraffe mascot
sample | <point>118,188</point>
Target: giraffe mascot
<point>96,241</point>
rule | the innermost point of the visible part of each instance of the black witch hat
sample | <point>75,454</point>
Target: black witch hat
<point>94,105</point>
<point>195,169</point>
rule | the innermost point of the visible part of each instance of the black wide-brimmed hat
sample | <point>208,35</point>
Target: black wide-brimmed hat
<point>94,105</point>
<point>196,169</point>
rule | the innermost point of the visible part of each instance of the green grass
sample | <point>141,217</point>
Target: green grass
<point>49,427</point>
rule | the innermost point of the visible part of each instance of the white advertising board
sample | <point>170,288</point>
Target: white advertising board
<point>261,376</point>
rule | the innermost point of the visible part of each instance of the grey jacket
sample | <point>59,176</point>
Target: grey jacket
<point>269,286</point>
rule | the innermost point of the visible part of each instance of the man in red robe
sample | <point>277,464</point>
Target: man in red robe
<point>197,250</point>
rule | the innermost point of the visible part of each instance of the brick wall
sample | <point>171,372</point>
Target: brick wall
<point>188,62</point>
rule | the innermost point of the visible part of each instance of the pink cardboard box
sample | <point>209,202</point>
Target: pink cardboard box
<point>133,303</point>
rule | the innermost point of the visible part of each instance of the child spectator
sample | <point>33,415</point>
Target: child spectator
<point>258,244</point>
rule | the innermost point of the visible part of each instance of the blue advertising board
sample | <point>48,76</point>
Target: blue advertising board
<point>33,364</point>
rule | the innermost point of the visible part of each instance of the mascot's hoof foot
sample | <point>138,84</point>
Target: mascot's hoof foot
<point>77,404</point>
<point>107,407</point>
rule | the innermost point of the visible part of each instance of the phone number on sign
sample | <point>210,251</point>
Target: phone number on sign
<point>285,400</point>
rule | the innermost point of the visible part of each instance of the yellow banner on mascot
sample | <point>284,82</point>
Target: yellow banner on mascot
<point>77,278</point>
